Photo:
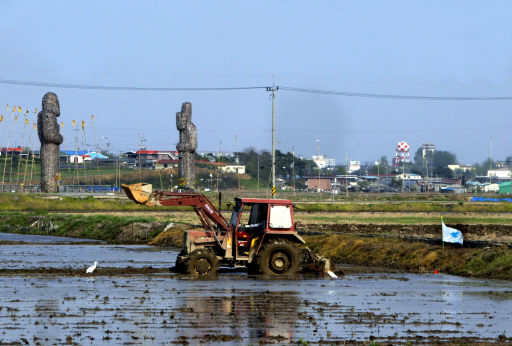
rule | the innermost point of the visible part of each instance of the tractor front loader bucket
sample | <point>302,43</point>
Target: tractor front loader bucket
<point>139,193</point>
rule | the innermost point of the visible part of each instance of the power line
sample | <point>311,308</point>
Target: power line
<point>286,88</point>
<point>122,88</point>
<point>398,97</point>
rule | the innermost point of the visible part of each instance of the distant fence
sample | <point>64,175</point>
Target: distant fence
<point>20,188</point>
<point>89,189</point>
<point>99,189</point>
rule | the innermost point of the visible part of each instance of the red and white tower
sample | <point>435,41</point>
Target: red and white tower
<point>402,152</point>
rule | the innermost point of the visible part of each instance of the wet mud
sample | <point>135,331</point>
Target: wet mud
<point>237,309</point>
<point>132,298</point>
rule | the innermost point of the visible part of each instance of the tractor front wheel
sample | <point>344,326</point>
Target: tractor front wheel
<point>202,263</point>
<point>180,266</point>
<point>278,257</point>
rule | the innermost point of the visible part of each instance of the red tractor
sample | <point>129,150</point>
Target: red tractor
<point>260,235</point>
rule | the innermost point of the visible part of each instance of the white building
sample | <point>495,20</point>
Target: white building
<point>464,168</point>
<point>409,176</point>
<point>492,188</point>
<point>323,161</point>
<point>354,166</point>
<point>427,148</point>
<point>499,173</point>
<point>233,169</point>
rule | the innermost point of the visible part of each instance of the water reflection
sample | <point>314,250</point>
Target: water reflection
<point>247,315</point>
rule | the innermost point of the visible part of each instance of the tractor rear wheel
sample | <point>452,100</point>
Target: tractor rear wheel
<point>278,257</point>
<point>202,263</point>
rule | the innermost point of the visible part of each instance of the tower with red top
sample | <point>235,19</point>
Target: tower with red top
<point>402,152</point>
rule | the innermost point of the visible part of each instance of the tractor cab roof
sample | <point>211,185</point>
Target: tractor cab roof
<point>263,201</point>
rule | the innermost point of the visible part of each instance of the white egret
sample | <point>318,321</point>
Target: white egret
<point>91,268</point>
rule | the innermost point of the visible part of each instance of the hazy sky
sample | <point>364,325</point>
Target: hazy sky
<point>432,48</point>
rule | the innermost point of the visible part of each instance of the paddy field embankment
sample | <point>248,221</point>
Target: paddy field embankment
<point>399,234</point>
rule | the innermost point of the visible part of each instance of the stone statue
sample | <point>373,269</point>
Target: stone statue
<point>186,146</point>
<point>51,139</point>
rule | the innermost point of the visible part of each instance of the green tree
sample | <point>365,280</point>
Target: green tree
<point>286,165</point>
<point>381,168</point>
<point>340,170</point>
<point>482,168</point>
<point>434,163</point>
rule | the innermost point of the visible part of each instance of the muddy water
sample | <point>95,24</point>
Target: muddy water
<point>32,238</point>
<point>235,308</point>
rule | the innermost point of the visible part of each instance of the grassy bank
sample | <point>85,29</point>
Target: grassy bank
<point>113,229</point>
<point>411,207</point>
<point>39,203</point>
<point>493,262</point>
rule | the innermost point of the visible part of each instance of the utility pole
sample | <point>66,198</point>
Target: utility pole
<point>273,89</point>
<point>403,172</point>
<point>490,161</point>
<point>293,169</point>
<point>75,159</point>
<point>318,164</point>
<point>346,174</point>
<point>237,162</point>
<point>426,167</point>
<point>218,164</point>
<point>258,172</point>
<point>378,176</point>
<point>142,146</point>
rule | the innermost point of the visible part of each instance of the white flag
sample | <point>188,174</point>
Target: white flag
<point>451,235</point>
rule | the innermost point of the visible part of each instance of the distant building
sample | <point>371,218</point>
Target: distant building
<point>148,158</point>
<point>427,148</point>
<point>237,169</point>
<point>74,156</point>
<point>354,166</point>
<point>214,155</point>
<point>409,176</point>
<point>505,187</point>
<point>322,161</point>
<point>166,163</point>
<point>11,151</point>
<point>500,173</point>
<point>463,168</point>
<point>319,183</point>
<point>492,187</point>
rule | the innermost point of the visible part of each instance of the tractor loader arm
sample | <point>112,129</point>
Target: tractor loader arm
<point>207,213</point>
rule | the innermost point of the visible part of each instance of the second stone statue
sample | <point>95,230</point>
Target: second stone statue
<point>186,146</point>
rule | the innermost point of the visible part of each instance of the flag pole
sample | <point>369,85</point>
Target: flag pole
<point>442,236</point>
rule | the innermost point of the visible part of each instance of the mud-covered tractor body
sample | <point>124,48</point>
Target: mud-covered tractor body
<point>260,235</point>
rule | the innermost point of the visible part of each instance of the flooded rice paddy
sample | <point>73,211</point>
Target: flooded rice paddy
<point>156,307</point>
